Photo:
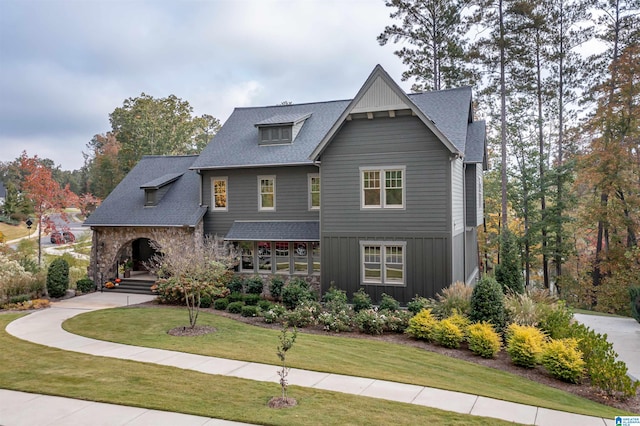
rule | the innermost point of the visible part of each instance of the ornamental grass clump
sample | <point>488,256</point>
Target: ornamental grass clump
<point>522,309</point>
<point>483,340</point>
<point>524,345</point>
<point>446,333</point>
<point>455,298</point>
<point>563,360</point>
<point>422,325</point>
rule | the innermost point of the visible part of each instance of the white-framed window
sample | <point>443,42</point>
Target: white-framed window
<point>382,187</point>
<point>279,257</point>
<point>275,135</point>
<point>383,262</point>
<point>266,192</point>
<point>283,261</point>
<point>219,197</point>
<point>314,191</point>
<point>247,261</point>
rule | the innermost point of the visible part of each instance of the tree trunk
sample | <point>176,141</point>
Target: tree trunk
<point>503,122</point>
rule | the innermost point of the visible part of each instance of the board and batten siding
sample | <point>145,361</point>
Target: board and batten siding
<point>424,223</point>
<point>427,266</point>
<point>292,196</point>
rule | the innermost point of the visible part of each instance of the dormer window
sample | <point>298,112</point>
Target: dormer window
<point>150,197</point>
<point>280,129</point>
<point>275,135</point>
<point>157,188</point>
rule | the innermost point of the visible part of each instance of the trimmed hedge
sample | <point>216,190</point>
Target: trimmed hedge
<point>487,303</point>
<point>58,278</point>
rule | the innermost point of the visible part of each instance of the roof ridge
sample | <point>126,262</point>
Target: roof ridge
<point>290,105</point>
<point>169,156</point>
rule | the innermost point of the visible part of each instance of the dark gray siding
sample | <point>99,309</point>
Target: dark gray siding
<point>427,268</point>
<point>424,224</point>
<point>471,194</point>
<point>292,196</point>
<point>400,141</point>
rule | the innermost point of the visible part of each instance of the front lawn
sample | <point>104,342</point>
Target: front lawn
<point>29,367</point>
<point>341,355</point>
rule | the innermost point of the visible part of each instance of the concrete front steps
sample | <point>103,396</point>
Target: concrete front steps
<point>133,286</point>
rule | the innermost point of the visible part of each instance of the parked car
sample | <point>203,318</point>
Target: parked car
<point>62,237</point>
<point>56,238</point>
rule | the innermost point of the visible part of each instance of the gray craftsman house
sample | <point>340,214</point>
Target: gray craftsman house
<point>381,192</point>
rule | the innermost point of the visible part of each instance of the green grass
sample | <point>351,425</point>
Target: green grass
<point>12,232</point>
<point>356,357</point>
<point>29,367</point>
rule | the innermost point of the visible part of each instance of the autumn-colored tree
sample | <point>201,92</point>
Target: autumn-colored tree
<point>87,203</point>
<point>103,169</point>
<point>45,195</point>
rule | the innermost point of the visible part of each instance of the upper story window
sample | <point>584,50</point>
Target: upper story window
<point>314,192</point>
<point>267,193</point>
<point>150,197</point>
<point>275,135</point>
<point>382,187</point>
<point>219,185</point>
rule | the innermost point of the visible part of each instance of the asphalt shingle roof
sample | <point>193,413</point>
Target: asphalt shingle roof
<point>161,181</point>
<point>274,231</point>
<point>180,206</point>
<point>283,119</point>
<point>236,144</point>
<point>475,148</point>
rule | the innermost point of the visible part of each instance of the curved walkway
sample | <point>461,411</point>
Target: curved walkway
<point>45,327</point>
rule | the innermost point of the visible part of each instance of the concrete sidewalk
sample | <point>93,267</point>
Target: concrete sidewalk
<point>44,327</point>
<point>28,409</point>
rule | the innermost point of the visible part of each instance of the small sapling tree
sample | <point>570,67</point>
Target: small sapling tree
<point>287,339</point>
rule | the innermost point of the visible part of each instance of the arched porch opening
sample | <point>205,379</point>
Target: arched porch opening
<point>133,257</point>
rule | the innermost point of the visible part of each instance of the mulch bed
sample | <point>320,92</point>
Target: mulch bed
<point>501,362</point>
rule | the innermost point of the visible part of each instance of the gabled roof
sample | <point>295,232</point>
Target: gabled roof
<point>400,99</point>
<point>180,206</point>
<point>447,113</point>
<point>236,144</point>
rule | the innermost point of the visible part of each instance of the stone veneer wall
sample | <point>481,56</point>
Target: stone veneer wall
<point>108,243</point>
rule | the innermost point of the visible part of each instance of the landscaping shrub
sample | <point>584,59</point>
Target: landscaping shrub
<point>235,297</point>
<point>274,314</point>
<point>388,303</point>
<point>555,320</point>
<point>58,278</point>
<point>487,303</point>
<point>333,295</point>
<point>483,340</point>
<point>205,301</point>
<point>221,304</point>
<point>421,326</point>
<point>398,321</point>
<point>456,297</point>
<point>304,315</point>
<point>521,309</point>
<point>336,321</point>
<point>601,366</point>
<point>361,301</point>
<point>254,285</point>
<point>524,345</point>
<point>508,271</point>
<point>419,303</point>
<point>296,291</point>
<point>85,285</point>
<point>370,321</point>
<point>461,321</point>
<point>19,299</point>
<point>235,285</point>
<point>634,295</point>
<point>447,334</point>
<point>563,360</point>
<point>275,288</point>
<point>235,307</point>
<point>249,311</point>
<point>264,305</point>
<point>251,299</point>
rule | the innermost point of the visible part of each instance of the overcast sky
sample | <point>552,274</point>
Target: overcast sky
<point>65,65</point>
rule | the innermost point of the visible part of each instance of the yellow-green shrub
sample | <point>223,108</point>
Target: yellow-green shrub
<point>421,326</point>
<point>483,340</point>
<point>460,320</point>
<point>524,345</point>
<point>563,360</point>
<point>446,333</point>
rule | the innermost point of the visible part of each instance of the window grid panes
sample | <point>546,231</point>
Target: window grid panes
<point>246,252</point>
<point>220,194</point>
<point>314,190</point>
<point>393,187</point>
<point>371,187</point>
<point>264,256</point>
<point>383,188</point>
<point>383,263</point>
<point>282,257</point>
<point>267,193</point>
